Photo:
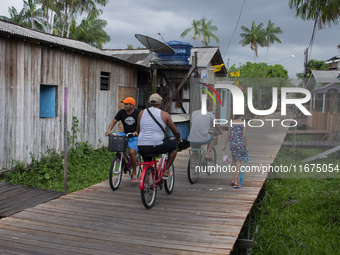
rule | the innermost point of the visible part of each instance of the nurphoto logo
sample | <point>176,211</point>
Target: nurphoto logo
<point>239,100</point>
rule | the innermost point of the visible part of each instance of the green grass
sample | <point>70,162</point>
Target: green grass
<point>297,215</point>
<point>307,210</point>
<point>85,167</point>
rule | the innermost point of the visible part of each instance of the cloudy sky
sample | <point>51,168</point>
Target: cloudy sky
<point>170,18</point>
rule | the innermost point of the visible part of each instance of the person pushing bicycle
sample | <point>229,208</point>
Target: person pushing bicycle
<point>151,126</point>
<point>128,116</point>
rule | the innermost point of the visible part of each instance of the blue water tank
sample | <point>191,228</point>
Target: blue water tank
<point>180,57</point>
<point>182,123</point>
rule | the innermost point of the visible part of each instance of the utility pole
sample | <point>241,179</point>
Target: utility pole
<point>227,68</point>
<point>305,73</point>
<point>306,63</point>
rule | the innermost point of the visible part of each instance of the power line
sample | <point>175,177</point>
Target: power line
<point>234,29</point>
<point>286,58</point>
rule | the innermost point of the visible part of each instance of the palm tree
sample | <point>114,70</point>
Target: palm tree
<point>75,7</point>
<point>15,16</point>
<point>322,11</point>
<point>47,8</point>
<point>91,31</point>
<point>195,26</point>
<point>271,37</point>
<point>206,30</point>
<point>256,36</point>
<point>33,15</point>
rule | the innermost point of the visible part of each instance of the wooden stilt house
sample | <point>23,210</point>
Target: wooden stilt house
<point>41,74</point>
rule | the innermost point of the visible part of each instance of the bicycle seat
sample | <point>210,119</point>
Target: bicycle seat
<point>150,155</point>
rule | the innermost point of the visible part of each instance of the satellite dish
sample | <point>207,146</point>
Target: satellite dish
<point>154,45</point>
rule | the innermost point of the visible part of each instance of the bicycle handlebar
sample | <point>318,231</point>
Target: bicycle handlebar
<point>129,135</point>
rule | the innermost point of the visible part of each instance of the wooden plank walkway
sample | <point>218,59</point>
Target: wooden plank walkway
<point>311,144</point>
<point>15,198</point>
<point>203,218</point>
<point>308,132</point>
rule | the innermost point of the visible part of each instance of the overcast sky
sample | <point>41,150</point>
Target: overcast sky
<point>170,18</point>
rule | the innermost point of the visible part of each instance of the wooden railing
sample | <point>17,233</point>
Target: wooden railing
<point>334,123</point>
<point>324,121</point>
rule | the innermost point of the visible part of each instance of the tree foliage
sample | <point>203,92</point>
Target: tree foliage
<point>261,70</point>
<point>206,29</point>
<point>314,64</point>
<point>257,36</point>
<point>58,17</point>
<point>271,37</point>
<point>195,27</point>
<point>261,78</point>
<point>322,11</point>
<point>91,31</point>
<point>202,29</point>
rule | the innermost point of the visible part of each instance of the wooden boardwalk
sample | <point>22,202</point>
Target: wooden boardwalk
<point>311,144</point>
<point>203,218</point>
<point>15,198</point>
<point>307,132</point>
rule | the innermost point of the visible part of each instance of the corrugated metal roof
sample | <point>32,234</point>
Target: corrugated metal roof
<point>333,59</point>
<point>135,56</point>
<point>205,55</point>
<point>24,32</point>
<point>327,89</point>
<point>321,76</point>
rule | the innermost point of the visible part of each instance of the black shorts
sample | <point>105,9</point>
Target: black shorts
<point>165,147</point>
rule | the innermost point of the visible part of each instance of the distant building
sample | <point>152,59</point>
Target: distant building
<point>334,63</point>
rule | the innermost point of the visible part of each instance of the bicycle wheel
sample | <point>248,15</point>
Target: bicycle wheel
<point>192,171</point>
<point>115,172</point>
<point>212,162</point>
<point>169,183</point>
<point>138,167</point>
<point>148,193</point>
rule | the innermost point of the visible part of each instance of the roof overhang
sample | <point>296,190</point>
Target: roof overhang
<point>330,88</point>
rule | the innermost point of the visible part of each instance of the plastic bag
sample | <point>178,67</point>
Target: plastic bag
<point>226,158</point>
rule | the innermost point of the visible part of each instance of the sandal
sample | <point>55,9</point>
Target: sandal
<point>237,186</point>
<point>134,179</point>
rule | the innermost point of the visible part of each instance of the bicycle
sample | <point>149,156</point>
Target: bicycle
<point>197,159</point>
<point>151,179</point>
<point>121,161</point>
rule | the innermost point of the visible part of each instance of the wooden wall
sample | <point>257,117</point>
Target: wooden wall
<point>24,67</point>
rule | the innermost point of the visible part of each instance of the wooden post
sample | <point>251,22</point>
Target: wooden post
<point>294,132</point>
<point>179,87</point>
<point>323,103</point>
<point>154,83</point>
<point>65,141</point>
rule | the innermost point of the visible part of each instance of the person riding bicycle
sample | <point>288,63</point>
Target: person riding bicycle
<point>128,116</point>
<point>199,131</point>
<point>151,136</point>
